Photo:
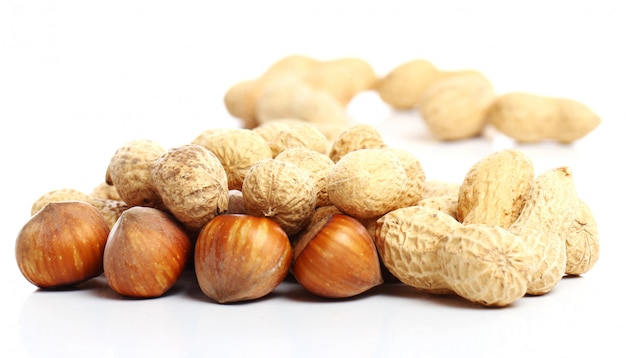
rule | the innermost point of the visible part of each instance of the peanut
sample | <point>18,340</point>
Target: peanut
<point>447,204</point>
<point>280,191</point>
<point>105,191</point>
<point>455,106</point>
<point>343,78</point>
<point>415,175</point>
<point>550,207</point>
<point>300,87</point>
<point>403,86</point>
<point>494,189</point>
<point>241,99</point>
<point>110,209</point>
<point>437,187</point>
<point>530,118</point>
<point>129,171</point>
<point>318,166</point>
<point>358,136</point>
<point>192,184</point>
<point>582,245</point>
<point>432,252</point>
<point>282,135</point>
<point>367,183</point>
<point>237,149</point>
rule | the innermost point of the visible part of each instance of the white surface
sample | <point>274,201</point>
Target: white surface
<point>79,78</point>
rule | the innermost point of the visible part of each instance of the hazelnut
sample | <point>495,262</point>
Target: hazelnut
<point>241,257</point>
<point>146,252</point>
<point>336,258</point>
<point>62,244</point>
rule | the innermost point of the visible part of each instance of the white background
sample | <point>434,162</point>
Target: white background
<point>79,78</point>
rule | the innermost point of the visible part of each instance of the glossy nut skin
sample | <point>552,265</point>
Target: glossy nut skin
<point>337,259</point>
<point>62,244</point>
<point>146,252</point>
<point>241,257</point>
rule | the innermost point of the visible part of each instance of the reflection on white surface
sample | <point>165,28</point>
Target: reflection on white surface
<point>390,320</point>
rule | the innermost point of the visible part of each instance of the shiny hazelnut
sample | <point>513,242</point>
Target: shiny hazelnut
<point>146,252</point>
<point>336,258</point>
<point>241,257</point>
<point>62,244</point>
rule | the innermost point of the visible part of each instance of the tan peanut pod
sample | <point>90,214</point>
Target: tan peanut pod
<point>293,98</point>
<point>65,194</point>
<point>105,191</point>
<point>237,149</point>
<point>367,183</point>
<point>485,264</point>
<point>110,209</point>
<point>280,191</point>
<point>294,65</point>
<point>437,188</point>
<point>358,136</point>
<point>549,210</point>
<point>494,189</point>
<point>407,240</point>
<point>297,135</point>
<point>343,78</point>
<point>582,243</point>
<point>240,101</point>
<point>446,204</point>
<point>455,107</point>
<point>415,174</point>
<point>316,164</point>
<point>129,171</point>
<point>192,183</point>
<point>241,98</point>
<point>403,86</point>
<point>529,118</point>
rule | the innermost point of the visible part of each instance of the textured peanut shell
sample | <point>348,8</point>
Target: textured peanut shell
<point>550,208</point>
<point>105,191</point>
<point>343,78</point>
<point>415,174</point>
<point>237,149</point>
<point>110,209</point>
<point>367,183</point>
<point>494,189</point>
<point>438,187</point>
<point>403,86</point>
<point>318,166</point>
<point>455,107</point>
<point>446,204</point>
<point>280,191</point>
<point>582,244</point>
<point>407,240</point>
<point>358,136</point>
<point>529,118</point>
<point>193,184</point>
<point>293,98</point>
<point>240,102</point>
<point>296,134</point>
<point>485,264</point>
<point>129,171</point>
<point>65,194</point>
<point>241,98</point>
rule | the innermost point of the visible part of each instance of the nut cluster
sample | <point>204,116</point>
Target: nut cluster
<point>248,208</point>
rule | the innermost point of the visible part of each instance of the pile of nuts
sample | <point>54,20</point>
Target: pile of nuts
<point>326,201</point>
